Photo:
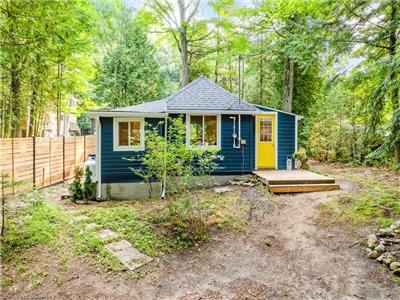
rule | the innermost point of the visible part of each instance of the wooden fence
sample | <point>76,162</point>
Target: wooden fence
<point>42,161</point>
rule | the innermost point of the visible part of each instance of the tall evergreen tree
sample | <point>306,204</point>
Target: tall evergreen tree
<point>129,72</point>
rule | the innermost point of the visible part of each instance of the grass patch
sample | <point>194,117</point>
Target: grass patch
<point>376,203</point>
<point>153,227</point>
<point>156,228</point>
<point>37,225</point>
<point>5,281</point>
<point>42,226</point>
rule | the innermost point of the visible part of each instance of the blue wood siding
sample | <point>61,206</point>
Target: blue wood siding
<point>286,136</point>
<point>232,162</point>
<point>113,167</point>
<point>232,157</point>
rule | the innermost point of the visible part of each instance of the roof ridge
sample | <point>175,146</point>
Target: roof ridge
<point>170,97</point>
<point>227,92</point>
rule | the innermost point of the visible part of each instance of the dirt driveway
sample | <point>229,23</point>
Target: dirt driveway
<point>304,259</point>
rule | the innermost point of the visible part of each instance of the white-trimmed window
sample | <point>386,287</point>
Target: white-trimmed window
<point>128,134</point>
<point>203,130</point>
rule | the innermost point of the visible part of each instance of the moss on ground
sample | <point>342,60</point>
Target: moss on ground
<point>377,202</point>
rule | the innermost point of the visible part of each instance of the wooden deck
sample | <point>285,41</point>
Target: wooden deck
<point>296,181</point>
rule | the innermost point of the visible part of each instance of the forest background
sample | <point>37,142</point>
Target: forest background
<point>336,63</point>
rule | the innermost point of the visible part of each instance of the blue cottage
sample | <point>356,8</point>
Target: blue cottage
<point>250,136</point>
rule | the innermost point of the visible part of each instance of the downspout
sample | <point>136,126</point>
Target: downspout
<point>164,184</point>
<point>98,157</point>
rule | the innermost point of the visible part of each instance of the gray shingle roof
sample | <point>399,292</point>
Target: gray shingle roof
<point>201,94</point>
<point>158,106</point>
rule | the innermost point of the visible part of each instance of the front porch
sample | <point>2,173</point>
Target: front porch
<point>295,181</point>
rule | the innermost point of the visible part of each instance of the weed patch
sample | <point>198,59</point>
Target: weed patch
<point>377,203</point>
<point>36,225</point>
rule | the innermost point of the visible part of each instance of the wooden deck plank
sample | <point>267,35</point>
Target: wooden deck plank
<point>295,181</point>
<point>303,188</point>
<point>290,175</point>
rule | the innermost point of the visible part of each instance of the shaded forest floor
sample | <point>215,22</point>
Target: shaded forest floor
<point>291,246</point>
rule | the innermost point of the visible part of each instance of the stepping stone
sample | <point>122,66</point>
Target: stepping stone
<point>223,189</point>
<point>106,234</point>
<point>90,226</point>
<point>81,218</point>
<point>129,256</point>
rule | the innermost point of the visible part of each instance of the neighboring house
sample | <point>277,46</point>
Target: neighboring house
<point>249,136</point>
<point>68,121</point>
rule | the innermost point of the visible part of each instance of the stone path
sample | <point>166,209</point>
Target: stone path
<point>129,256</point>
<point>80,218</point>
<point>90,226</point>
<point>106,234</point>
<point>223,189</point>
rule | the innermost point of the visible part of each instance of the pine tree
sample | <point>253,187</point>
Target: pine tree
<point>129,72</point>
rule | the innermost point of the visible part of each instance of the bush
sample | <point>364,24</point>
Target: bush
<point>188,219</point>
<point>75,188</point>
<point>89,187</point>
<point>301,156</point>
<point>171,158</point>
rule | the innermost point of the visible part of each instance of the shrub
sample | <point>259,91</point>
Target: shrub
<point>173,159</point>
<point>89,187</point>
<point>188,219</point>
<point>75,188</point>
<point>301,156</point>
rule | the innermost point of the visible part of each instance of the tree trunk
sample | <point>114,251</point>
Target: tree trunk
<point>261,78</point>
<point>216,58</point>
<point>393,75</point>
<point>230,73</point>
<point>16,99</point>
<point>184,56</point>
<point>58,106</point>
<point>288,78</point>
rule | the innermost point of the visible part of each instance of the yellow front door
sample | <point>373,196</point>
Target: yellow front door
<point>265,141</point>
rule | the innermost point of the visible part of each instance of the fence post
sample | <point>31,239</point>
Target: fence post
<point>74,151</point>
<point>84,148</point>
<point>50,160</point>
<point>34,161</point>
<point>63,158</point>
<point>12,164</point>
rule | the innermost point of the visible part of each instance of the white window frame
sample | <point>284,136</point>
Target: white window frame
<point>188,126</point>
<point>117,147</point>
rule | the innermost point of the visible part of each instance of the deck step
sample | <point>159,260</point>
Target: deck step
<point>299,181</point>
<point>301,188</point>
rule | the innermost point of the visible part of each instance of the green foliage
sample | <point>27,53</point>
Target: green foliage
<point>190,217</point>
<point>6,184</point>
<point>187,219</point>
<point>301,156</point>
<point>173,159</point>
<point>377,203</point>
<point>44,59</point>
<point>129,225</point>
<point>38,225</point>
<point>129,72</point>
<point>89,187</point>
<point>75,188</point>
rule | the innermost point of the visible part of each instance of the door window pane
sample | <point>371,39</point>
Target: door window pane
<point>210,130</point>
<point>265,130</point>
<point>135,133</point>
<point>123,134</point>
<point>196,130</point>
